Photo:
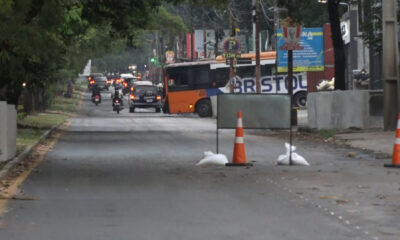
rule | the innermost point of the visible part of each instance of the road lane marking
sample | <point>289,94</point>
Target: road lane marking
<point>38,153</point>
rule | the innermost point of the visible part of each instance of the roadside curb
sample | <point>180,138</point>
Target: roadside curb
<point>22,156</point>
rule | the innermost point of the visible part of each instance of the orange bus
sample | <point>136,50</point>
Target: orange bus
<point>188,86</point>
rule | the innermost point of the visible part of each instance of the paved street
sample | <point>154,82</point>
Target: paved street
<point>133,176</point>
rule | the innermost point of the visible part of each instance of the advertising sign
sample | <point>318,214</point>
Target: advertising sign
<point>291,35</point>
<point>271,84</point>
<point>169,57</point>
<point>310,59</point>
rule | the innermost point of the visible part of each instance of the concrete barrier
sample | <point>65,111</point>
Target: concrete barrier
<point>345,109</point>
<point>214,106</point>
<point>8,131</point>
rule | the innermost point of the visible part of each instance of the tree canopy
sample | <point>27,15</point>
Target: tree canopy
<point>43,40</point>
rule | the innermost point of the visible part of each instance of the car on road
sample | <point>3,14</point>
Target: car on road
<point>101,82</point>
<point>110,80</point>
<point>91,79</point>
<point>144,95</point>
<point>128,83</point>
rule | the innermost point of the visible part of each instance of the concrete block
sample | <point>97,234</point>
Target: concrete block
<point>341,109</point>
<point>8,131</point>
<point>214,106</point>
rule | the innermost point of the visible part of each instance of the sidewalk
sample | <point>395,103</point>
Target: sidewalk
<point>375,140</point>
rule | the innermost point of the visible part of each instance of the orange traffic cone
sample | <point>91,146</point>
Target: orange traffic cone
<point>239,153</point>
<point>396,149</point>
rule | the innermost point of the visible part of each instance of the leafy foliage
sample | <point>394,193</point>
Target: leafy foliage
<point>42,42</point>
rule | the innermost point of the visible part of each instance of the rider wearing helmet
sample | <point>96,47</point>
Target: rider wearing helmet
<point>117,93</point>
<point>96,91</point>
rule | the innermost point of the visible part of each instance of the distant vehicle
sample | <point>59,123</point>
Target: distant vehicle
<point>101,82</point>
<point>117,105</point>
<point>128,83</point>
<point>96,95</point>
<point>189,86</point>
<point>91,79</point>
<point>140,83</point>
<point>126,75</point>
<point>110,80</point>
<point>144,95</point>
<point>96,99</point>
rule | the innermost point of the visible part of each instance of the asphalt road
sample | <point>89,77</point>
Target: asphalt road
<point>133,176</point>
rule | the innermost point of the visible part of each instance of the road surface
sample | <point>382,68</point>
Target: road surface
<point>133,176</point>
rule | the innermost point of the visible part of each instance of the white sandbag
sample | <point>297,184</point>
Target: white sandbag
<point>296,158</point>
<point>211,158</point>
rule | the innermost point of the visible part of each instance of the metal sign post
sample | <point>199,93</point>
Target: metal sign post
<point>231,47</point>
<point>291,36</point>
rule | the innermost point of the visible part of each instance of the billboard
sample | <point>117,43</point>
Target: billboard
<point>310,59</point>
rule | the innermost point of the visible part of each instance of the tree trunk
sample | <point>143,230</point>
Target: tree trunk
<point>340,60</point>
<point>12,95</point>
<point>27,101</point>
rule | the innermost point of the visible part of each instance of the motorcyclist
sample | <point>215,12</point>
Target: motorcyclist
<point>117,94</point>
<point>96,91</point>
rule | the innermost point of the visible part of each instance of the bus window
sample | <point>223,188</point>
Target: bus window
<point>266,70</point>
<point>246,72</point>
<point>178,79</point>
<point>221,77</point>
<point>201,77</point>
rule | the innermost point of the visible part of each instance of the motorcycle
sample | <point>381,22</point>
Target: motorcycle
<point>96,99</point>
<point>117,105</point>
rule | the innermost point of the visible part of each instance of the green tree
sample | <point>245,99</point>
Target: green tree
<point>43,41</point>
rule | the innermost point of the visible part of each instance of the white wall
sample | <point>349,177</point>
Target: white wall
<point>8,131</point>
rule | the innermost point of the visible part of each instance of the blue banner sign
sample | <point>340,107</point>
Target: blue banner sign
<point>311,59</point>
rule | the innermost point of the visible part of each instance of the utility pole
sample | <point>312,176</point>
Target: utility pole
<point>232,34</point>
<point>254,16</point>
<point>258,67</point>
<point>191,34</point>
<point>390,64</point>
<point>290,84</point>
<point>204,31</point>
<point>276,26</point>
<point>216,30</point>
<point>353,46</point>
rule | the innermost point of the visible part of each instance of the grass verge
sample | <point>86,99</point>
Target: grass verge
<point>66,105</point>
<point>32,127</point>
<point>27,137</point>
<point>42,120</point>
